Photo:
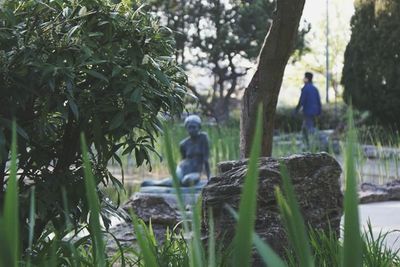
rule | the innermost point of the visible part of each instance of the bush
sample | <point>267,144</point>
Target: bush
<point>330,118</point>
<point>372,61</point>
<point>72,67</point>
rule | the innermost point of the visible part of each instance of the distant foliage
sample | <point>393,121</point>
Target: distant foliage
<point>87,66</point>
<point>220,38</point>
<point>371,73</point>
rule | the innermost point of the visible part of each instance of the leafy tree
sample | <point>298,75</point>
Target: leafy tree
<point>72,67</point>
<point>218,37</point>
<point>371,73</point>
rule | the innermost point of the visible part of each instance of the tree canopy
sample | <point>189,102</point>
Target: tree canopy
<point>218,37</point>
<point>371,73</point>
<point>72,67</point>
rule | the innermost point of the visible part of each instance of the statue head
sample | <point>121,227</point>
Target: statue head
<point>193,125</point>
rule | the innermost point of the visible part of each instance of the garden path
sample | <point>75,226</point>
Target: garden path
<point>385,217</point>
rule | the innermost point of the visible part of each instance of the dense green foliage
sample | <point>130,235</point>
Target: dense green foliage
<point>371,73</point>
<point>72,67</point>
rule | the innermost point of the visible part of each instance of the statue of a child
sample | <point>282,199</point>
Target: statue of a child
<point>194,151</point>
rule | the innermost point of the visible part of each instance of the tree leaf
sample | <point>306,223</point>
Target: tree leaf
<point>117,121</point>
<point>72,31</point>
<point>67,12</point>
<point>136,96</point>
<point>83,11</point>
<point>162,78</point>
<point>72,105</point>
<point>96,74</point>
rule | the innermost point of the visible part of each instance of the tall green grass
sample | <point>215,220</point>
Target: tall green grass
<point>352,249</point>
<point>94,205</point>
<point>248,202</point>
<point>188,247</point>
<point>9,221</point>
<point>295,227</point>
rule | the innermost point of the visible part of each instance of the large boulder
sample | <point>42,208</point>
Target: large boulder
<point>316,180</point>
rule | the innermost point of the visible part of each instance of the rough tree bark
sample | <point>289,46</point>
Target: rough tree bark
<point>266,83</point>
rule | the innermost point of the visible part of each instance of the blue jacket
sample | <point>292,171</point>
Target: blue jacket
<point>310,100</point>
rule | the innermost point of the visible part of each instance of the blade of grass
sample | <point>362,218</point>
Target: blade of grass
<point>197,245</point>
<point>11,208</point>
<point>247,208</point>
<point>120,251</point>
<point>211,240</point>
<point>32,212</point>
<point>94,206</point>
<point>144,243</point>
<point>175,180</point>
<point>266,252</point>
<point>53,252</point>
<point>352,245</point>
<point>295,227</point>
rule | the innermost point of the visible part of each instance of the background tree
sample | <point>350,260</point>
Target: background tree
<point>371,73</point>
<point>266,83</point>
<point>71,67</point>
<point>221,38</point>
<point>236,36</point>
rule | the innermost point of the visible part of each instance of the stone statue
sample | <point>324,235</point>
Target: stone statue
<point>194,151</point>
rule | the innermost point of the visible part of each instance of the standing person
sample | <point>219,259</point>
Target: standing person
<point>310,101</point>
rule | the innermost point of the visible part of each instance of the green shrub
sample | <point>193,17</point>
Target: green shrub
<point>88,66</point>
<point>330,118</point>
<point>372,61</point>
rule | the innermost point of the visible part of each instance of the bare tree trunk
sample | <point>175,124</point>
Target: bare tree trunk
<point>266,83</point>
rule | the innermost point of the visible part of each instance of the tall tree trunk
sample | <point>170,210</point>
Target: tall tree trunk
<point>266,83</point>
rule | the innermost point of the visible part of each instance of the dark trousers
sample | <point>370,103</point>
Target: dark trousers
<point>308,128</point>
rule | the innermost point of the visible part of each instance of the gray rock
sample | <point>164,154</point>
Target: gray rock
<point>370,193</point>
<point>316,182</point>
<point>160,209</point>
